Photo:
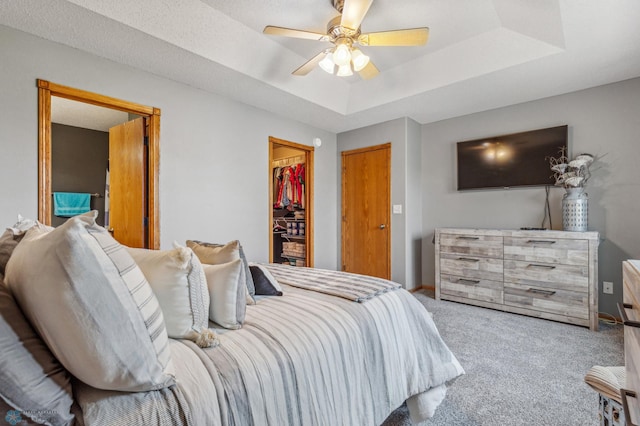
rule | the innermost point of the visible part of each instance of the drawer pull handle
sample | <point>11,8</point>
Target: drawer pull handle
<point>541,242</point>
<point>623,314</point>
<point>624,393</point>
<point>469,259</point>
<point>538,291</point>
<point>535,265</point>
<point>468,238</point>
<point>465,280</point>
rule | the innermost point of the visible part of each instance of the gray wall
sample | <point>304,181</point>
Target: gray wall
<point>214,171</point>
<point>79,162</point>
<point>404,135</point>
<point>603,121</point>
<point>413,205</point>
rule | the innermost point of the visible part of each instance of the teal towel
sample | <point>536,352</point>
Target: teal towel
<point>67,204</point>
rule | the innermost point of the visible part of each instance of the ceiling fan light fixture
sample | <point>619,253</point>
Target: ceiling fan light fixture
<point>359,59</point>
<point>327,63</point>
<point>342,54</point>
<point>345,33</point>
<point>344,71</point>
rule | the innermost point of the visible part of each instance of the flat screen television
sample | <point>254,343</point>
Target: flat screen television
<point>518,159</point>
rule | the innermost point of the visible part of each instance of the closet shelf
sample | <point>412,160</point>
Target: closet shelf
<point>285,235</point>
<point>289,256</point>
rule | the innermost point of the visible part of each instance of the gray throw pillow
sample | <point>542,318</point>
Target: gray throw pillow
<point>266,284</point>
<point>12,236</point>
<point>32,381</point>
<point>8,242</point>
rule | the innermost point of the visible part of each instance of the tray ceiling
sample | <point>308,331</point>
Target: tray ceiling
<point>481,54</point>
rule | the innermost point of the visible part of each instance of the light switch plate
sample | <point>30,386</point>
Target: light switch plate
<point>607,287</point>
<point>397,209</point>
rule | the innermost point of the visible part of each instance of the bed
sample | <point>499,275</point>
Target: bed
<point>334,349</point>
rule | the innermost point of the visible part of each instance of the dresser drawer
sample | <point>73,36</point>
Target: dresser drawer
<point>555,277</point>
<point>477,289</point>
<point>560,302</point>
<point>547,250</point>
<point>632,362</point>
<point>471,244</point>
<point>474,267</point>
<point>631,287</point>
<point>631,297</point>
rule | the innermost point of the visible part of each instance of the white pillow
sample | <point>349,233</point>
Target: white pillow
<point>215,254</point>
<point>91,304</point>
<point>178,281</point>
<point>227,291</point>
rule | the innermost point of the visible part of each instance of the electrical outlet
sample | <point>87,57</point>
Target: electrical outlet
<point>607,287</point>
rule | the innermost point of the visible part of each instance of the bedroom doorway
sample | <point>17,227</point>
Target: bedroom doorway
<point>290,203</point>
<point>366,215</point>
<point>142,169</point>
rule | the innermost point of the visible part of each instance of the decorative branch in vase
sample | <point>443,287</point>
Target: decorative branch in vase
<point>572,176</point>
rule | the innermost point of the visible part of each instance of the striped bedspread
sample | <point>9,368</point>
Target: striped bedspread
<point>357,288</point>
<point>304,358</point>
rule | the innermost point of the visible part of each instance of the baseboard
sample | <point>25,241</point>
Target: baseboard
<point>423,287</point>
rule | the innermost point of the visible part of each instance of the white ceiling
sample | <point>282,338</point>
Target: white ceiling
<point>86,116</point>
<point>482,54</point>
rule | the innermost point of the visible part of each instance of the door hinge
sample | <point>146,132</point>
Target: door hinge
<point>146,141</point>
<point>145,221</point>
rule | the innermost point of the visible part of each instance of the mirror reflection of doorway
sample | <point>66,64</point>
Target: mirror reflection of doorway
<point>74,153</point>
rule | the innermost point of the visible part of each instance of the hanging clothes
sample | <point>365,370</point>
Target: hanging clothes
<point>288,187</point>
<point>299,176</point>
<point>277,181</point>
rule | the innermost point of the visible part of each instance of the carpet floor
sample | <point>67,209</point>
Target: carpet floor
<point>519,370</point>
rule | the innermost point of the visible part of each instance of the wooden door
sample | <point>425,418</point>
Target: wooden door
<point>366,199</point>
<point>127,183</point>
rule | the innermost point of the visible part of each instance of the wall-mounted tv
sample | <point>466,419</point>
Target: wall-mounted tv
<point>518,159</point>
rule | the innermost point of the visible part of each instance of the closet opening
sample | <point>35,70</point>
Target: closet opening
<point>290,203</point>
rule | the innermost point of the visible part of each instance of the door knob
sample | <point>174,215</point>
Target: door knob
<point>382,226</point>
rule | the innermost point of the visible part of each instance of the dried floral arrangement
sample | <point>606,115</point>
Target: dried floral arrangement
<point>571,174</point>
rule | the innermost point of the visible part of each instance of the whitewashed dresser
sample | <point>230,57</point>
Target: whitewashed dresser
<point>630,313</point>
<point>545,274</point>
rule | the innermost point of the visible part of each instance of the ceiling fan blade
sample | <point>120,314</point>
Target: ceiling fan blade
<point>353,13</point>
<point>288,32</point>
<point>409,37</point>
<point>369,71</point>
<point>309,65</point>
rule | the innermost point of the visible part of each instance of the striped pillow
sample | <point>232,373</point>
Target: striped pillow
<point>92,305</point>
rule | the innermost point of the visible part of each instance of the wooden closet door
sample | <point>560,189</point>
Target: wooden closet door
<point>366,198</point>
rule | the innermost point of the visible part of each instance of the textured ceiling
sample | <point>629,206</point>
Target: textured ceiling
<point>87,116</point>
<point>481,54</point>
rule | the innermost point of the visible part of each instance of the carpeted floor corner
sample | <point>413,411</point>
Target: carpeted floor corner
<point>519,370</point>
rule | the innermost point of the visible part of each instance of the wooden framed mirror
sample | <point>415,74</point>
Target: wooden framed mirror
<point>149,170</point>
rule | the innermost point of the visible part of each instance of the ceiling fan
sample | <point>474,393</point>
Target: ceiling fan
<point>344,32</point>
